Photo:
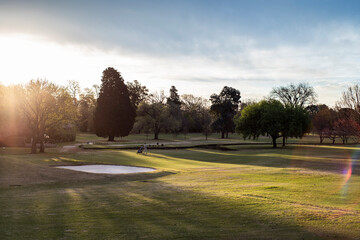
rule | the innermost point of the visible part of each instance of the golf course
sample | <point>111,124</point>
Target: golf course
<point>244,191</point>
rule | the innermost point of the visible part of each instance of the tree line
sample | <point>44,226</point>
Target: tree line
<point>41,112</point>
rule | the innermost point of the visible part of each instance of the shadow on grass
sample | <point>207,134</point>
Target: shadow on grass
<point>142,210</point>
<point>312,158</point>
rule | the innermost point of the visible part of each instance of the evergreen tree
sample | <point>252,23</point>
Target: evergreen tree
<point>224,107</point>
<point>175,113</point>
<point>174,96</point>
<point>114,114</point>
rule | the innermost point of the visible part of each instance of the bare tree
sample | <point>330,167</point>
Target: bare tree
<point>323,122</point>
<point>153,115</point>
<point>73,88</point>
<point>295,95</point>
<point>192,103</point>
<point>351,99</point>
<point>157,97</point>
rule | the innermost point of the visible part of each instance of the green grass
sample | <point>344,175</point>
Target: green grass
<point>248,192</point>
<point>190,139</point>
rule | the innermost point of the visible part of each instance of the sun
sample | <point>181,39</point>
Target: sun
<point>25,57</point>
<point>21,57</point>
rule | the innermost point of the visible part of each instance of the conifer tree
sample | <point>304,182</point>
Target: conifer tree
<point>114,114</point>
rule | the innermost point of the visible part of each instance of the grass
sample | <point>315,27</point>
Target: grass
<point>134,141</point>
<point>248,192</point>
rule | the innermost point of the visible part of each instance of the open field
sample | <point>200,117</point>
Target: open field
<point>247,192</point>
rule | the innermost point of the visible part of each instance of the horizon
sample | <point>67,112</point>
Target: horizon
<point>198,47</point>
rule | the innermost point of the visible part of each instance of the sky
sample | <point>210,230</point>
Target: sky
<point>198,46</point>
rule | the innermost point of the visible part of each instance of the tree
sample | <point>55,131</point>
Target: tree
<point>299,95</point>
<point>345,128</point>
<point>197,114</point>
<point>351,99</point>
<point>137,93</point>
<point>246,103</point>
<point>205,121</point>
<point>153,115</point>
<point>295,95</point>
<point>174,96</point>
<point>45,105</point>
<point>323,122</point>
<point>273,119</point>
<point>114,114</point>
<point>175,114</point>
<point>312,110</point>
<point>87,105</point>
<point>224,107</point>
<point>73,88</point>
<point>296,122</point>
<point>263,118</point>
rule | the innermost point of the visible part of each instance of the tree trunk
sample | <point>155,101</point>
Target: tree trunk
<point>156,135</point>
<point>42,145</point>
<point>284,141</point>
<point>33,145</point>
<point>274,142</point>
<point>227,135</point>
<point>321,139</point>
<point>111,138</point>
<point>206,135</point>
<point>222,134</point>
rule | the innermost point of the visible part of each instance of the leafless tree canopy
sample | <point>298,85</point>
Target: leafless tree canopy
<point>351,99</point>
<point>157,97</point>
<point>295,95</point>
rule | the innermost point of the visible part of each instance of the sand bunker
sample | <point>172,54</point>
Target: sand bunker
<point>108,169</point>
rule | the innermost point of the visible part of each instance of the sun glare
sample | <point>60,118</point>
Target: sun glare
<point>24,57</point>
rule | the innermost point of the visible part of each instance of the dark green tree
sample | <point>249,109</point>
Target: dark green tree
<point>224,107</point>
<point>296,122</point>
<point>263,118</point>
<point>114,114</point>
<point>301,95</point>
<point>174,96</point>
<point>175,114</point>
<point>273,119</point>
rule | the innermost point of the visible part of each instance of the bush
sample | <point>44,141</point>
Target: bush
<point>62,134</point>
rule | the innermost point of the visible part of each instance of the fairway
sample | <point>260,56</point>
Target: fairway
<point>246,192</point>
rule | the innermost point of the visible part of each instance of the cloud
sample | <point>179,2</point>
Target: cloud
<point>196,48</point>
